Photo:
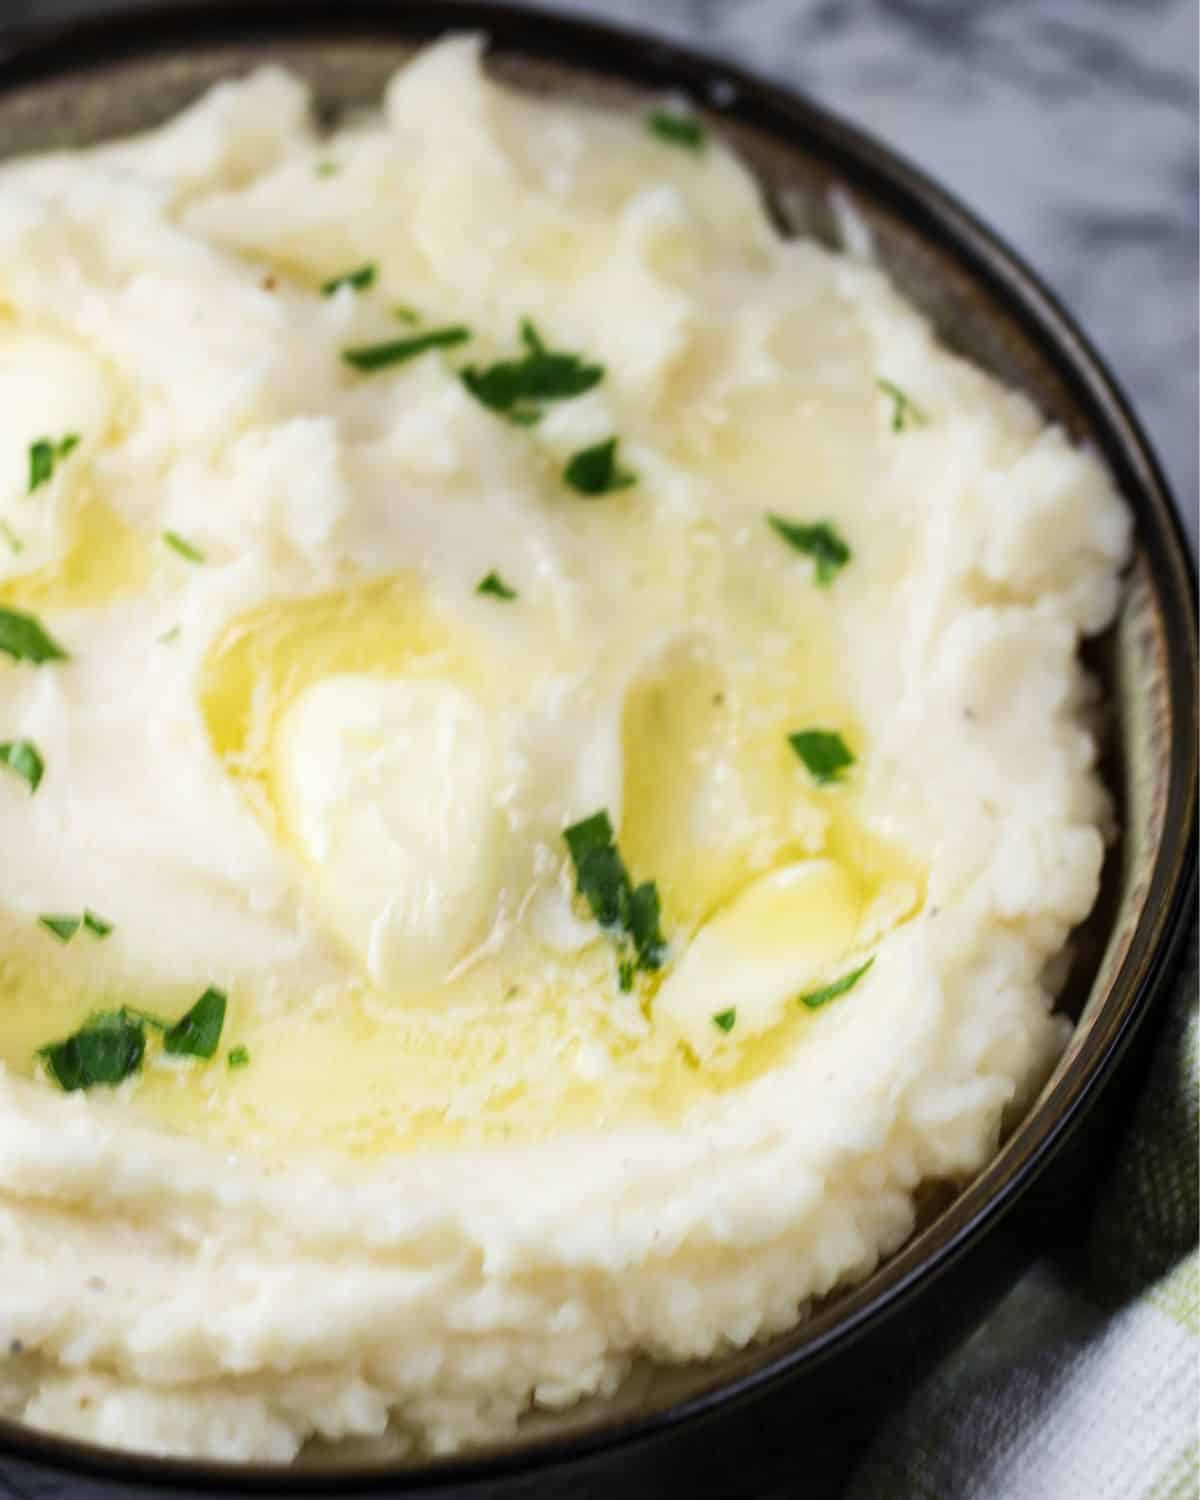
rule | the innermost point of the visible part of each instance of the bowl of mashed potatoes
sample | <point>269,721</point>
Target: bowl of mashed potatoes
<point>591,774</point>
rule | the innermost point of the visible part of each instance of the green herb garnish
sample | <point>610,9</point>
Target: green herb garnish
<point>602,879</point>
<point>106,1049</point>
<point>22,757</point>
<point>238,1057</point>
<point>44,454</point>
<point>24,638</point>
<point>111,1044</point>
<point>676,129</point>
<point>15,544</point>
<point>170,635</point>
<point>724,1019</point>
<point>517,387</point>
<point>371,357</point>
<point>595,471</point>
<point>816,998</point>
<point>197,1033</point>
<point>625,971</point>
<point>823,751</point>
<point>183,547</point>
<point>63,928</point>
<point>405,314</point>
<point>326,168</point>
<point>359,280</point>
<point>905,411</point>
<point>644,919</point>
<point>495,585</point>
<point>817,540</point>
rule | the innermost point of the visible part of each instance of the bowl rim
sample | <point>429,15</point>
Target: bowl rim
<point>57,49</point>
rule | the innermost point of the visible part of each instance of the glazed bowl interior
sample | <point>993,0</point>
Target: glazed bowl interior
<point>128,77</point>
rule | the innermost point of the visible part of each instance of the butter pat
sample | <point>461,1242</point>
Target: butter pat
<point>775,940</point>
<point>387,789</point>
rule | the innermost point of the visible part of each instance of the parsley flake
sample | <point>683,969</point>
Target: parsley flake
<point>495,585</point>
<point>676,128</point>
<point>371,357</point>
<point>633,913</point>
<point>238,1057</point>
<point>181,545</point>
<point>197,1033</point>
<point>824,752</point>
<point>817,540</point>
<point>595,471</point>
<point>905,411</point>
<point>359,280</point>
<point>516,387</point>
<point>326,168</point>
<point>107,1049</point>
<point>15,544</point>
<point>63,928</point>
<point>816,998</point>
<point>724,1020</point>
<point>24,638</point>
<point>44,454</point>
<point>22,757</point>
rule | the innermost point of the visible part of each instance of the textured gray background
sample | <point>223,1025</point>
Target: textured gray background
<point>1069,125</point>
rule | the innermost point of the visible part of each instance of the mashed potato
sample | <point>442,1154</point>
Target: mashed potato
<point>542,765</point>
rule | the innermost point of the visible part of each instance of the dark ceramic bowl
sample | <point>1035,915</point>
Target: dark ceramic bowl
<point>797,1404</point>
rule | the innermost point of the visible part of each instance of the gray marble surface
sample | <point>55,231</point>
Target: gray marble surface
<point>1069,125</point>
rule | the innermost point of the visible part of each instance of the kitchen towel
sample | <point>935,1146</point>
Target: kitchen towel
<point>1085,1383</point>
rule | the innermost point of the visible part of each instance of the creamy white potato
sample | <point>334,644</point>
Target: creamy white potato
<point>377,511</point>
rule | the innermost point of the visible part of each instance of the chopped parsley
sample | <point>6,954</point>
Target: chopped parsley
<point>107,1049</point>
<point>371,357</point>
<point>644,924</point>
<point>625,975</point>
<point>197,1033</point>
<point>405,314</point>
<point>111,1044</point>
<point>326,168</point>
<point>170,635</point>
<point>238,1057</point>
<point>676,128</point>
<point>360,280</point>
<point>516,388</point>
<point>63,928</point>
<point>816,998</point>
<point>905,411</point>
<point>595,471</point>
<point>44,454</point>
<point>15,544</point>
<point>724,1020</point>
<point>823,751</point>
<point>22,757</point>
<point>495,585</point>
<point>183,547</point>
<point>817,540</point>
<point>631,913</point>
<point>24,638</point>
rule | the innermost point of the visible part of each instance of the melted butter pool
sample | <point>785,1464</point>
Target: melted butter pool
<point>524,1041</point>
